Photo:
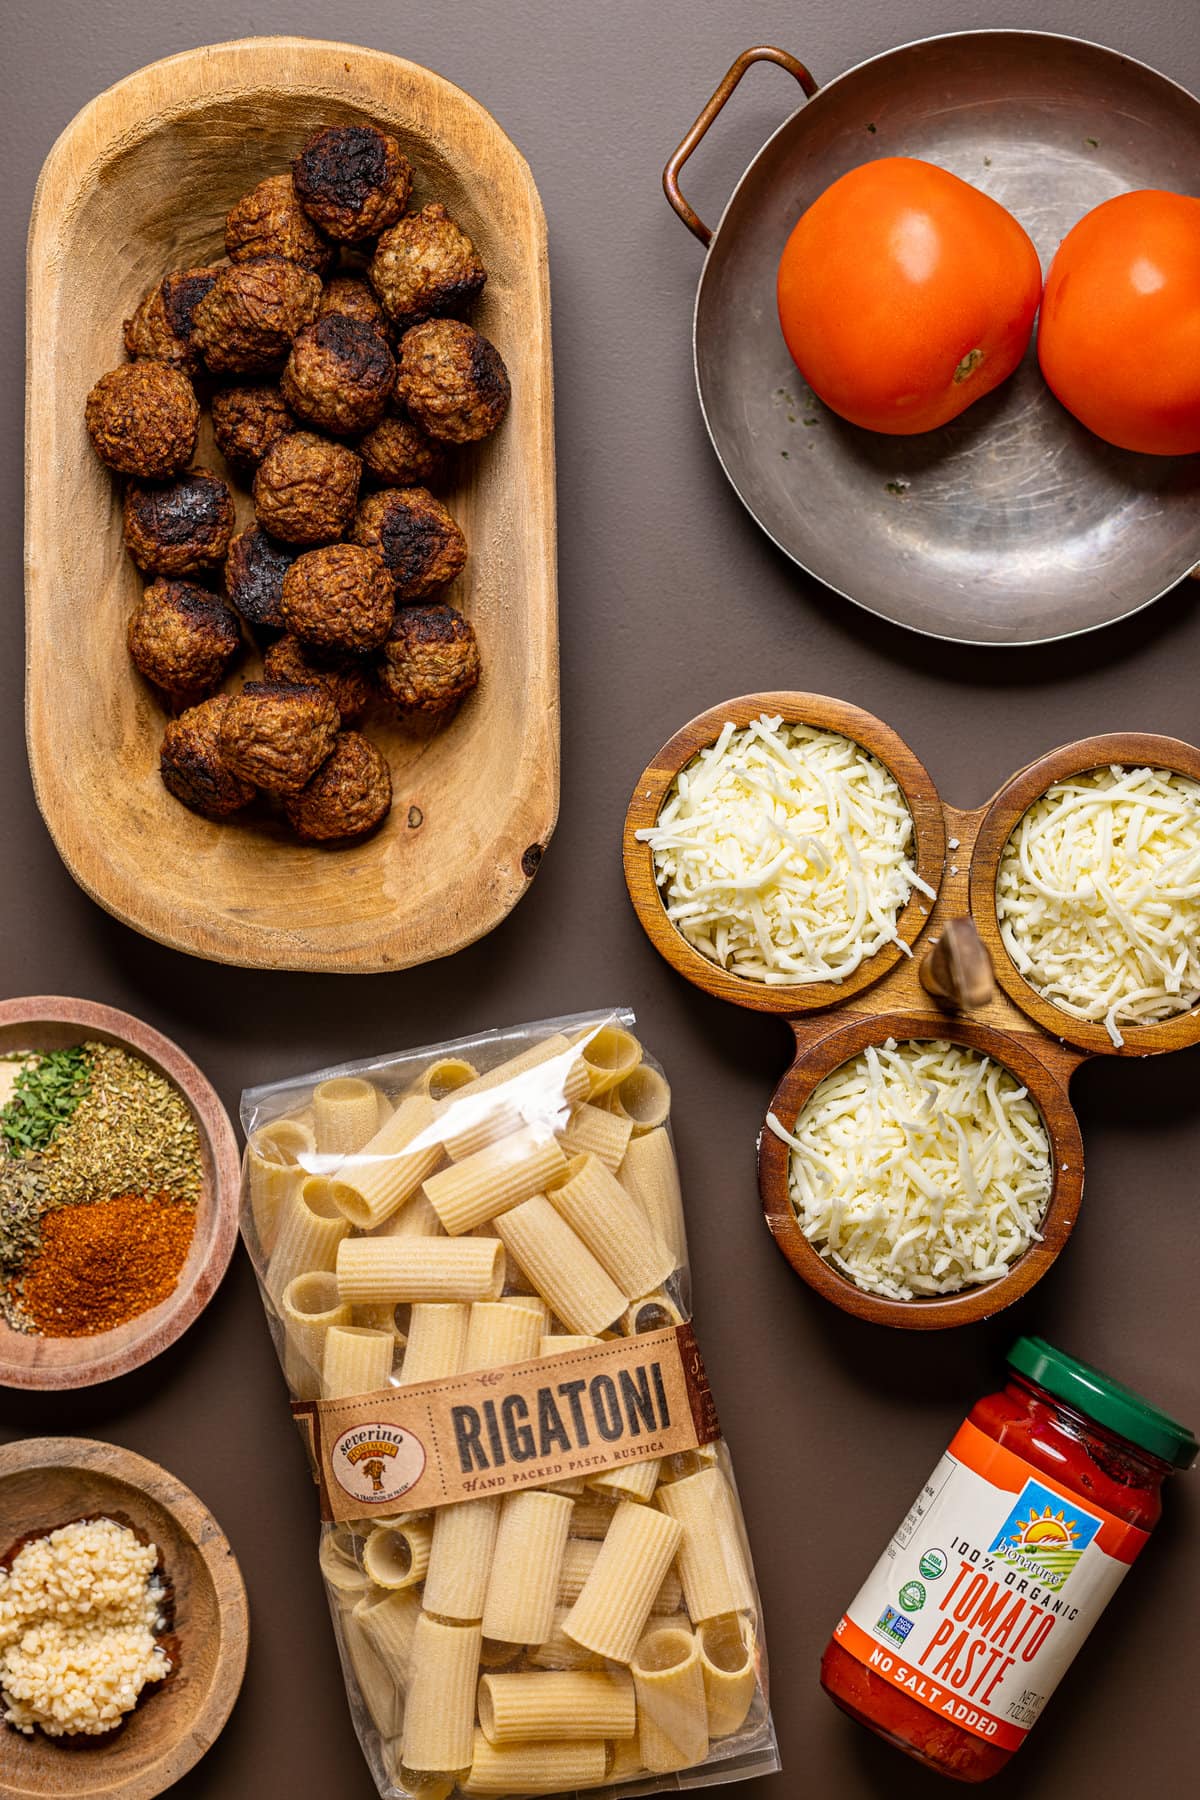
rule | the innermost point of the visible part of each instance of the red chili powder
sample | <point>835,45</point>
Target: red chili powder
<point>103,1263</point>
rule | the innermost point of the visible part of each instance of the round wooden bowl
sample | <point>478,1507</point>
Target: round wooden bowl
<point>1047,1091</point>
<point>45,1482</point>
<point>1001,819</point>
<point>649,797</point>
<point>48,1023</point>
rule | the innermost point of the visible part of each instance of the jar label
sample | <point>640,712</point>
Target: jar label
<point>984,1595</point>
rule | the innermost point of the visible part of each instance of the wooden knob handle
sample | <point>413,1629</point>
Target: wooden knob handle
<point>958,969</point>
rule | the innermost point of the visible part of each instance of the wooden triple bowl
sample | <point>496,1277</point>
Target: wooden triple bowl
<point>957,853</point>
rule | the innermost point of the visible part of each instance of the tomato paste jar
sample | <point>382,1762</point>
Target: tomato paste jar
<point>1009,1555</point>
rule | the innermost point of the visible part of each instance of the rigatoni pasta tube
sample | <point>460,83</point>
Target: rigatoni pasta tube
<point>643,1100</point>
<point>339,1566</point>
<point>460,1558</point>
<point>439,1708</point>
<point>528,1769</point>
<point>345,1115</point>
<point>542,1083</point>
<point>592,1517</point>
<point>610,1054</point>
<point>653,1313</point>
<point>523,1584</point>
<point>473,1191</point>
<point>592,1131</point>
<point>397,1556</point>
<point>530,1302</point>
<point>391,1166</point>
<point>672,1713</point>
<point>310,1231</point>
<point>308,1306</point>
<point>376,1682</point>
<point>390,1624</point>
<point>612,1225</point>
<point>445,1077</point>
<point>632,1481</point>
<point>561,1267</point>
<point>499,1335</point>
<point>273,1172</point>
<point>559,1342</point>
<point>417,1269</point>
<point>357,1360</point>
<point>730,1677</point>
<point>561,1652</point>
<point>416,1218</point>
<point>554,1706</point>
<point>651,1174</point>
<point>712,1564</point>
<point>579,1559</point>
<point>611,1612</point>
<point>437,1339</point>
<point>417,1787</point>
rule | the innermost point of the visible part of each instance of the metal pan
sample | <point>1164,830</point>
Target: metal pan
<point>1012,525</point>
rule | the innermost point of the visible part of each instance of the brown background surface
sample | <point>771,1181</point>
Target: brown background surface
<point>670,600</point>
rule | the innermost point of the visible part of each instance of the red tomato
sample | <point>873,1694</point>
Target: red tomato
<point>905,295</point>
<point>1119,339</point>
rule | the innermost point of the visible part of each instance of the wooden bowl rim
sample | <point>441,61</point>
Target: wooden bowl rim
<point>846,1039</point>
<point>827,713</point>
<point>162,1327</point>
<point>213,1549</point>
<point>1003,814</point>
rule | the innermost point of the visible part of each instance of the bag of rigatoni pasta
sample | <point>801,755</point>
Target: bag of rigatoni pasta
<point>474,1266</point>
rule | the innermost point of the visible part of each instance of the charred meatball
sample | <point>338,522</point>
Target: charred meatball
<point>353,181</point>
<point>340,375</point>
<point>246,322</point>
<point>277,735</point>
<point>416,537</point>
<point>183,639</point>
<point>350,794</point>
<point>161,328</point>
<point>344,678</point>
<point>340,597</point>
<point>181,527</point>
<point>399,454</point>
<point>424,267</point>
<point>305,489</point>
<point>254,573</point>
<point>142,419</point>
<point>192,766</point>
<point>452,380</point>
<point>247,421</point>
<point>353,298</point>
<point>430,661</point>
<point>270,221</point>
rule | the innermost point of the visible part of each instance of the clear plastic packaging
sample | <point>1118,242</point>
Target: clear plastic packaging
<point>501,1216</point>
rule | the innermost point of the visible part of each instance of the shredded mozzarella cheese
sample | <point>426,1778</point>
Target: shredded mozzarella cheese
<point>919,1169</point>
<point>1098,896</point>
<point>781,853</point>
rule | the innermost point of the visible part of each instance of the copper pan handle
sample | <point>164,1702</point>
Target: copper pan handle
<point>761,53</point>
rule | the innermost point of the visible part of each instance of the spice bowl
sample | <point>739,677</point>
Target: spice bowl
<point>44,1023</point>
<point>47,1482</point>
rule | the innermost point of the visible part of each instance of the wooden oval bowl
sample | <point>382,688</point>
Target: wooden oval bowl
<point>654,785</point>
<point>139,183</point>
<point>51,1023</point>
<point>814,1062</point>
<point>45,1482</point>
<point>1000,820</point>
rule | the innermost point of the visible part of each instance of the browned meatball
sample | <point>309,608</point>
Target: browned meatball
<point>192,766</point>
<point>161,328</point>
<point>353,297</point>
<point>430,661</point>
<point>350,794</point>
<point>254,572</point>
<point>277,735</point>
<point>270,221</point>
<point>452,380</point>
<point>181,527</point>
<point>344,678</point>
<point>246,422</point>
<point>425,266</point>
<point>340,375</point>
<point>400,454</point>
<point>183,639</point>
<point>352,181</point>
<point>340,597</point>
<point>305,489</point>
<point>417,538</point>
<point>246,322</point>
<point>142,419</point>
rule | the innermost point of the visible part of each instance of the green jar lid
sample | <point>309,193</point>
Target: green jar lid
<point>1108,1402</point>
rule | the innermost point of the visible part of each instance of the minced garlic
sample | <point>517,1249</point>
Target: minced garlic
<point>79,1609</point>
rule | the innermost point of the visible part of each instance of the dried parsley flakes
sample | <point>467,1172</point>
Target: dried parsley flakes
<point>45,1095</point>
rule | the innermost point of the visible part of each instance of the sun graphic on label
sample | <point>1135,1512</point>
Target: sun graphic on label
<point>1045,1530</point>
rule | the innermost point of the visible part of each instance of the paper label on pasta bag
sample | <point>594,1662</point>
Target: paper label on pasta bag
<point>497,1430</point>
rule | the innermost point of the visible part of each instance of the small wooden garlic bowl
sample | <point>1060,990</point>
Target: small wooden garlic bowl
<point>46,1482</point>
<point>49,1023</point>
